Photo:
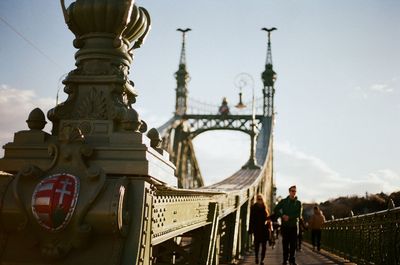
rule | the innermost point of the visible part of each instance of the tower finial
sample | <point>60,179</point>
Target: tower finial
<point>104,51</point>
<point>183,50</point>
<point>269,54</point>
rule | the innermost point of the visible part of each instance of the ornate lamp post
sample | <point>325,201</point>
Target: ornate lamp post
<point>240,82</point>
<point>245,80</point>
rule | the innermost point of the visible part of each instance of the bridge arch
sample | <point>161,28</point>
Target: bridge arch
<point>198,124</point>
<point>196,133</point>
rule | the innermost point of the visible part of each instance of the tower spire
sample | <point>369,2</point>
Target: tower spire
<point>183,50</point>
<point>182,78</point>
<point>268,77</point>
<point>269,53</point>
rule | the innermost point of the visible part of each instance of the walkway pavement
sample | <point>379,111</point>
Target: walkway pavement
<point>305,257</point>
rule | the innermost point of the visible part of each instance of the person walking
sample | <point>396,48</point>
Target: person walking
<point>315,223</point>
<point>276,226</point>
<point>259,226</point>
<point>290,211</point>
<point>302,228</point>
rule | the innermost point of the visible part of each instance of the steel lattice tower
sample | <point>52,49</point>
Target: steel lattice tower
<point>268,77</point>
<point>182,79</point>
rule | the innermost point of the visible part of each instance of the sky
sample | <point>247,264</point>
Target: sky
<point>337,94</point>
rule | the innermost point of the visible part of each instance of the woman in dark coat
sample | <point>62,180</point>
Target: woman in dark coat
<point>259,226</point>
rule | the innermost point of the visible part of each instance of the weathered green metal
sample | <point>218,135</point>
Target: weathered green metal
<point>179,132</point>
<point>179,145</point>
<point>196,247</point>
<point>125,212</point>
<point>365,239</point>
<point>97,139</point>
<point>200,123</point>
<point>99,88</point>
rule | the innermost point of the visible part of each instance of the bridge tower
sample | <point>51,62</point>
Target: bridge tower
<point>182,78</point>
<point>268,77</point>
<point>176,139</point>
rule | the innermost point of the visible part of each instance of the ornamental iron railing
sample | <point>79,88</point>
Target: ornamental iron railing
<point>372,238</point>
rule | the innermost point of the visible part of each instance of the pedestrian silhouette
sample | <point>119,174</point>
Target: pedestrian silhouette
<point>290,211</point>
<point>315,223</point>
<point>260,226</point>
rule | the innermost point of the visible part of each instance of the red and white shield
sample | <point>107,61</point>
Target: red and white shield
<point>54,201</point>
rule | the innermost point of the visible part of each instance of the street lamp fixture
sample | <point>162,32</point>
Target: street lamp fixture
<point>240,105</point>
<point>246,80</point>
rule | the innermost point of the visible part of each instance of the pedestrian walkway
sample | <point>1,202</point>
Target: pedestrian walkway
<point>305,257</point>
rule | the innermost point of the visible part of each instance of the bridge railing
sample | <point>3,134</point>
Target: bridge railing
<point>366,239</point>
<point>215,218</point>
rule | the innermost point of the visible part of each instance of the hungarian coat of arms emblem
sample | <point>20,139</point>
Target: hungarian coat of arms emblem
<point>54,200</point>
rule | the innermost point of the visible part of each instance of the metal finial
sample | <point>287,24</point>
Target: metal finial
<point>269,53</point>
<point>269,31</point>
<point>36,119</point>
<point>155,138</point>
<point>125,21</point>
<point>184,30</point>
<point>183,51</point>
<point>140,41</point>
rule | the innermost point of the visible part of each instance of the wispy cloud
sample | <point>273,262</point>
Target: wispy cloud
<point>315,178</point>
<point>383,88</point>
<point>15,106</point>
<point>361,91</point>
<point>317,181</point>
<point>152,119</point>
<point>385,179</point>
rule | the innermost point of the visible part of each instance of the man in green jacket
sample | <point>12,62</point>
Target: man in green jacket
<point>290,211</point>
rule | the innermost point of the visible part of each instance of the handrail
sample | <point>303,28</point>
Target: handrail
<point>372,238</point>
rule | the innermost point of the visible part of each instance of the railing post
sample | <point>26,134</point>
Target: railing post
<point>209,237</point>
<point>236,230</point>
<point>138,247</point>
<point>244,220</point>
<point>229,236</point>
